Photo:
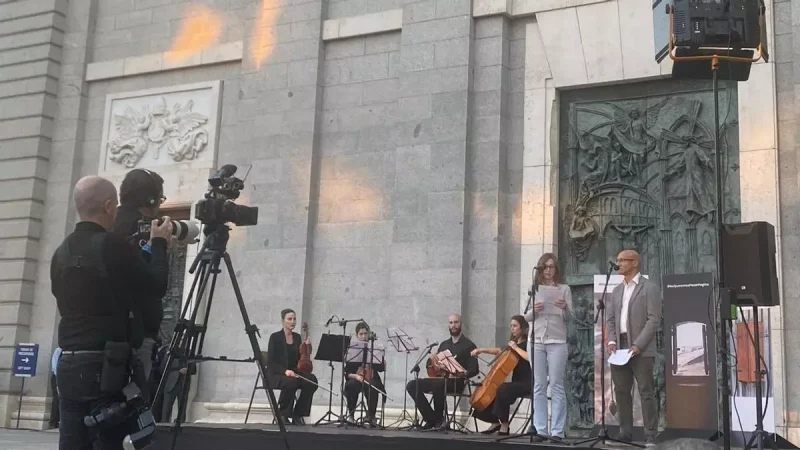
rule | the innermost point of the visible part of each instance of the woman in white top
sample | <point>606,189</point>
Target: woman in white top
<point>549,335</point>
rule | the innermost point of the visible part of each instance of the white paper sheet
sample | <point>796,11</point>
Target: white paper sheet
<point>620,357</point>
<point>548,296</point>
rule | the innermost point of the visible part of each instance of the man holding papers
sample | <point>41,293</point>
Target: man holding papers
<point>632,318</point>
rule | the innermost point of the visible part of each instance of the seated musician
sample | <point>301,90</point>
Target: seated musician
<point>520,385</point>
<point>460,347</point>
<point>356,384</point>
<point>283,353</point>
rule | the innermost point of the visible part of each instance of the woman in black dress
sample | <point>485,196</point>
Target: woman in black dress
<point>520,385</point>
<point>356,385</point>
<point>283,353</point>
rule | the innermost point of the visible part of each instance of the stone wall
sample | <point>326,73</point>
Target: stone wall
<point>403,154</point>
<point>786,55</point>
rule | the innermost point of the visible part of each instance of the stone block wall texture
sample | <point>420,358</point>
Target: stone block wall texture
<point>387,168</point>
<point>786,53</point>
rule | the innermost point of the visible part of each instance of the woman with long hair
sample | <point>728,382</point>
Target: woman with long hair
<point>549,337</point>
<point>520,385</point>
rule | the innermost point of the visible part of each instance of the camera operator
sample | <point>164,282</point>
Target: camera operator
<point>140,196</point>
<point>104,291</point>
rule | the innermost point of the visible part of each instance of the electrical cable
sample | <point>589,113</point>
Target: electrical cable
<point>736,389</point>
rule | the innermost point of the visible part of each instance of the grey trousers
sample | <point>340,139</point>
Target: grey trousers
<point>639,368</point>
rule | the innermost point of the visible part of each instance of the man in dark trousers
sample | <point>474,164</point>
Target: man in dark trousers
<point>632,319</point>
<point>461,348</point>
<point>101,285</point>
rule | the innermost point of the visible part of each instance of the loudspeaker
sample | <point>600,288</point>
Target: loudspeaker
<point>749,263</point>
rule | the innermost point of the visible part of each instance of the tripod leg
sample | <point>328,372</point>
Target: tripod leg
<point>252,331</point>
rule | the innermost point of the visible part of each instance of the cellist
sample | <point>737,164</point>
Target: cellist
<point>356,383</point>
<point>520,385</point>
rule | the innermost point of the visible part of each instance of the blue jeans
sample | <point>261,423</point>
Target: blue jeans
<point>550,363</point>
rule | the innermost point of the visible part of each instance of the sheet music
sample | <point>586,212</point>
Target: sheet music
<point>548,296</point>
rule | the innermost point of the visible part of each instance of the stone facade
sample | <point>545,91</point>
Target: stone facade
<point>404,156</point>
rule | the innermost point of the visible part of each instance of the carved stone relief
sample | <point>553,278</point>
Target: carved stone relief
<point>160,127</point>
<point>637,171</point>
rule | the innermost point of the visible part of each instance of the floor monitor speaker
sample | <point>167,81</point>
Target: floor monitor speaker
<point>749,263</point>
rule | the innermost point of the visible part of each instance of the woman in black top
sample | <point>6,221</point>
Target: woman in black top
<point>520,385</point>
<point>355,383</point>
<point>283,353</point>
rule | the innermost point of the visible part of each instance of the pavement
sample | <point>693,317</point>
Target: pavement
<point>11,439</point>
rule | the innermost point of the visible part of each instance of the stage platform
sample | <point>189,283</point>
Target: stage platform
<point>329,437</point>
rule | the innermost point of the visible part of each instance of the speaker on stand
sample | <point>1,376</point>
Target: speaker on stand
<point>751,271</point>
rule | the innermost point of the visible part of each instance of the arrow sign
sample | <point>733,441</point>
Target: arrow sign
<point>25,357</point>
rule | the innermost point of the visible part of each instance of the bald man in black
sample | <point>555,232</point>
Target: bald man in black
<point>96,278</point>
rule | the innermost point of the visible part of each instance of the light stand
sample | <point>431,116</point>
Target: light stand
<point>601,315</point>
<point>188,337</point>
<point>688,63</point>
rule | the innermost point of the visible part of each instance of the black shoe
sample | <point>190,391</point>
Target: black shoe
<point>491,430</point>
<point>298,420</point>
<point>537,438</point>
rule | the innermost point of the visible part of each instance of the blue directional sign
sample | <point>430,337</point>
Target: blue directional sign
<point>25,356</point>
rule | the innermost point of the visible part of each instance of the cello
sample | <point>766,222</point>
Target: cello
<point>304,364</point>
<point>502,366</point>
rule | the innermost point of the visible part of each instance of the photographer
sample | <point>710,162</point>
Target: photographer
<point>105,291</point>
<point>140,196</point>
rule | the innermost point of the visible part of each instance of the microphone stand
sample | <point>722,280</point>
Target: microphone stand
<point>415,425</point>
<point>601,315</point>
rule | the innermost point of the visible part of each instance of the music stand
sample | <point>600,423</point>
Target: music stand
<point>364,353</point>
<point>330,349</point>
<point>403,343</point>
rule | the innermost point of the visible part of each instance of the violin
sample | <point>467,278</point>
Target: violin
<point>434,371</point>
<point>305,364</point>
<point>365,373</point>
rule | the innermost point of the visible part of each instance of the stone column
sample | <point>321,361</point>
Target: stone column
<point>44,55</point>
<point>489,230</point>
<point>435,53</point>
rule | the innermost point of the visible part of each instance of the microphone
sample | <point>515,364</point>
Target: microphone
<point>613,265</point>
<point>432,345</point>
<point>329,321</point>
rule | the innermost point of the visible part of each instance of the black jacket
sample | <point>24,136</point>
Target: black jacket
<point>277,356</point>
<point>125,225</point>
<point>96,307</point>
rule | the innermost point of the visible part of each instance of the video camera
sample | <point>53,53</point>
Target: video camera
<point>218,207</point>
<point>133,412</point>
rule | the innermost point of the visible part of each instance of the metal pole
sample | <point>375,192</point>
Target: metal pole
<point>723,325</point>
<point>19,408</point>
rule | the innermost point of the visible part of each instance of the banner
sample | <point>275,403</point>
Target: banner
<point>599,342</point>
<point>690,352</point>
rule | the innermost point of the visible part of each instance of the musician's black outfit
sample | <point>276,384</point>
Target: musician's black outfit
<point>508,393</point>
<point>354,387</point>
<point>436,386</point>
<point>280,358</point>
<point>104,291</point>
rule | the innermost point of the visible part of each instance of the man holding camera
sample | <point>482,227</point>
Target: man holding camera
<point>105,292</point>
<point>140,195</point>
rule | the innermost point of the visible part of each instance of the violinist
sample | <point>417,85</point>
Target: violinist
<point>460,347</point>
<point>283,354</point>
<point>520,385</point>
<point>356,382</point>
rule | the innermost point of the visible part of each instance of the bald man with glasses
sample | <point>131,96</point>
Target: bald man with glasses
<point>632,319</point>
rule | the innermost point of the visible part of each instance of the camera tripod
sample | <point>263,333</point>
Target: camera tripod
<point>187,340</point>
